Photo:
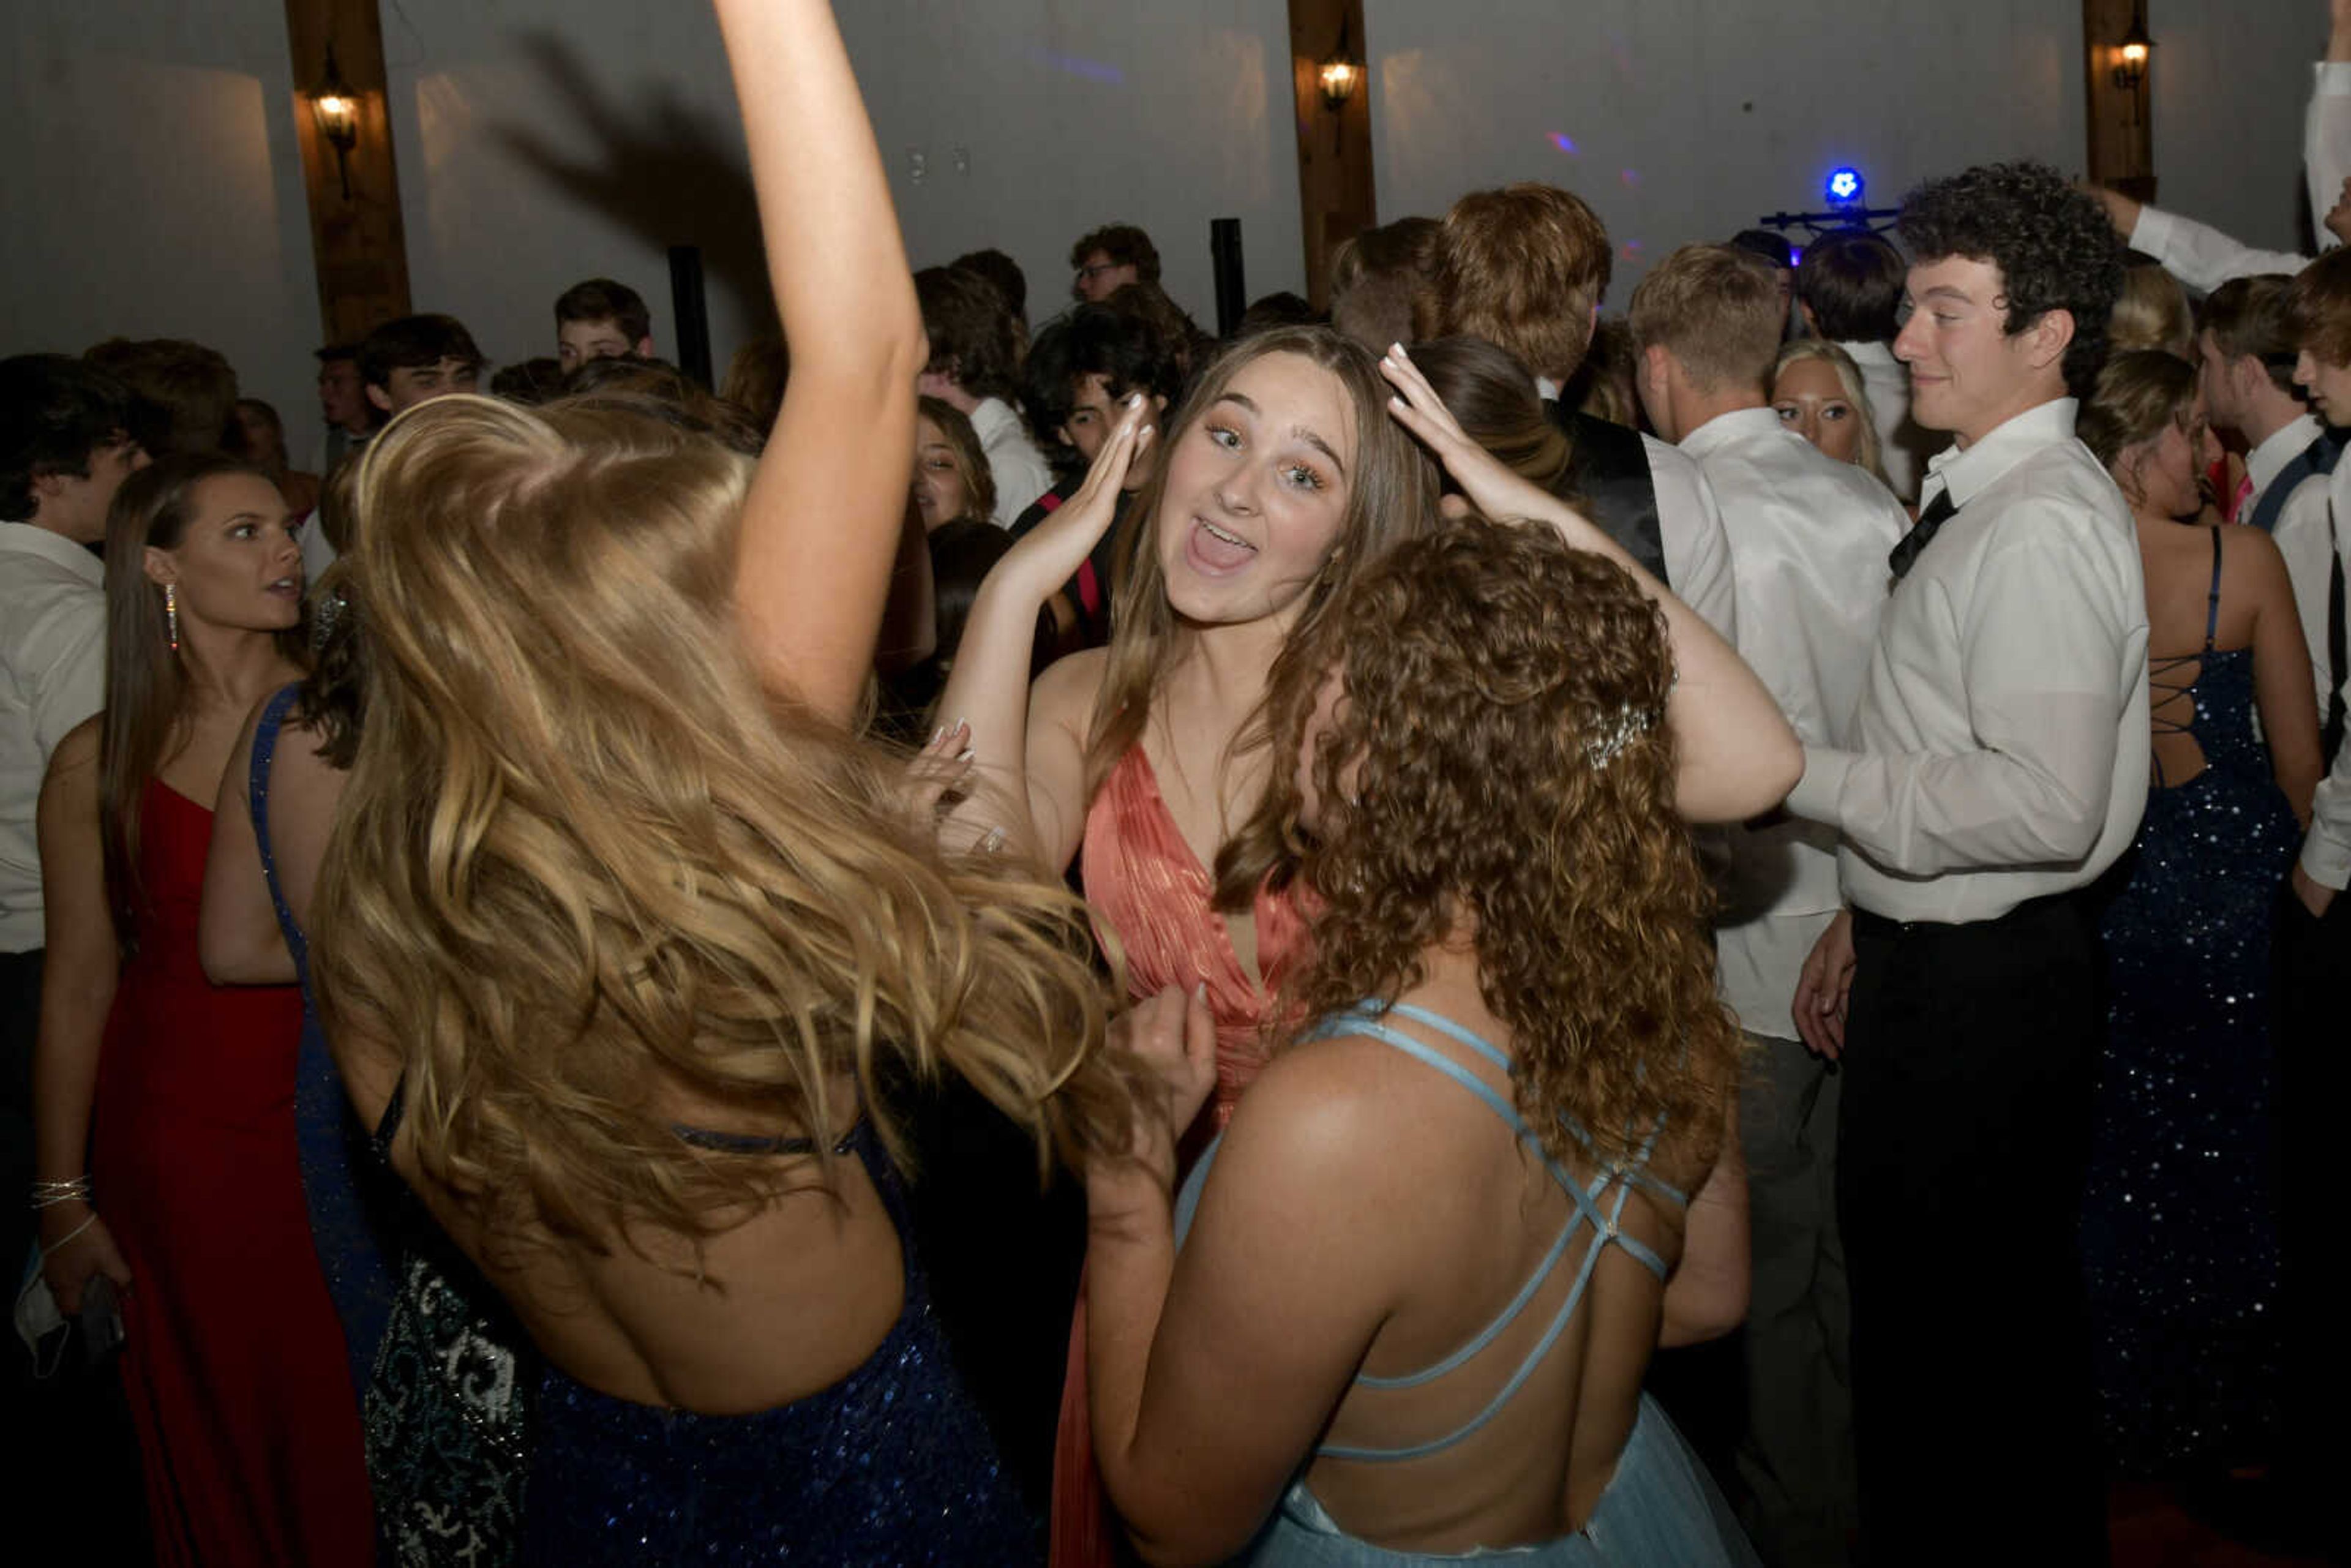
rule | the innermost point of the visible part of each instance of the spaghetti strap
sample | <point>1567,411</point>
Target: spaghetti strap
<point>256,794</point>
<point>2213,598</point>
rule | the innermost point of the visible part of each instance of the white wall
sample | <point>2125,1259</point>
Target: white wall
<point>2227,83</point>
<point>152,188</point>
<point>546,141</point>
<point>1685,120</point>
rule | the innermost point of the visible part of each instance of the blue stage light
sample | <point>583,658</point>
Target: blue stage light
<point>1845,186</point>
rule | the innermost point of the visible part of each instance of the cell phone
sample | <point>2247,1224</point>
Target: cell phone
<point>101,1320</point>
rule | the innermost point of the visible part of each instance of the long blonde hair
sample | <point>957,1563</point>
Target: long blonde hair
<point>1392,495</point>
<point>585,857</point>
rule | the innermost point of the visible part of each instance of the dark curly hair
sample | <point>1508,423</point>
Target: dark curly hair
<point>975,339</point>
<point>1504,713</point>
<point>2054,246</point>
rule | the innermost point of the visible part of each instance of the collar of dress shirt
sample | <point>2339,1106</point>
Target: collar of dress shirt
<point>1963,474</point>
<point>30,538</point>
<point>1740,424</point>
<point>1871,353</point>
<point>2264,462</point>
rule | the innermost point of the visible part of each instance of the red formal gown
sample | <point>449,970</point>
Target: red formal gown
<point>234,1364</point>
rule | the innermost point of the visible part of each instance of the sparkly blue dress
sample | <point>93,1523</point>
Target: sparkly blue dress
<point>1658,1508</point>
<point>2178,1242</point>
<point>893,1466</point>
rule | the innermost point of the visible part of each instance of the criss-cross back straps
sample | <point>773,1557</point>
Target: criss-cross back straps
<point>2163,670</point>
<point>1587,1208</point>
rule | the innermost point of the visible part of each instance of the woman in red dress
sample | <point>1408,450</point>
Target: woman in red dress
<point>181,1092</point>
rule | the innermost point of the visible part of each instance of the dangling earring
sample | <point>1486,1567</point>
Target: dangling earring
<point>172,613</point>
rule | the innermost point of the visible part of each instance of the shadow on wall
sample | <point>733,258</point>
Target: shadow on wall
<point>661,168</point>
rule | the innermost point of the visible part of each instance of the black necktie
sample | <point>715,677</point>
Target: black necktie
<point>1922,534</point>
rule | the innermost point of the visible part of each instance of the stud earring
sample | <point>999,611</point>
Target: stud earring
<point>172,613</point>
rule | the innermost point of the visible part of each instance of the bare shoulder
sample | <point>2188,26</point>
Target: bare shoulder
<point>73,764</point>
<point>1347,1114</point>
<point>2251,556</point>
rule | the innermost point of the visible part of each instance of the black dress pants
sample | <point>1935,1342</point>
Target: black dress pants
<point>1969,1062</point>
<point>2312,1038</point>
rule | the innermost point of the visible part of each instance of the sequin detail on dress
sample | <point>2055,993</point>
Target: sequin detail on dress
<point>2179,1246</point>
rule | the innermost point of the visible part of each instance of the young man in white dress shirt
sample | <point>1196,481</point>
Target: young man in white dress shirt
<point>2313,958</point>
<point>64,451</point>
<point>1998,764</point>
<point>1849,288</point>
<point>2245,350</point>
<point>1809,538</point>
<point>1524,268</point>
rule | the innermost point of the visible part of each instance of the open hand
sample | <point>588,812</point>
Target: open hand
<point>1491,486</point>
<point>1050,553</point>
<point>940,770</point>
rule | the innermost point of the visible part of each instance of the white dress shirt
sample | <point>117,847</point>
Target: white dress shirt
<point>2326,852</point>
<point>2000,744</point>
<point>52,676</point>
<point>1903,447</point>
<point>1809,538</point>
<point>1019,469</point>
<point>2300,532</point>
<point>1689,527</point>
<point>2201,255</point>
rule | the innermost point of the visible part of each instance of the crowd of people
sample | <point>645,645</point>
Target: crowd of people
<point>986,947</point>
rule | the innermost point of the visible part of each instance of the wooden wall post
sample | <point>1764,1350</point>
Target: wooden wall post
<point>1334,151</point>
<point>2122,139</point>
<point>357,242</point>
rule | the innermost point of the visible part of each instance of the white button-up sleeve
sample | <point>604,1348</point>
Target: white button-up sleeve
<point>1689,526</point>
<point>2326,144</point>
<point>2045,669</point>
<point>2326,852</point>
<point>63,646</point>
<point>2202,256</point>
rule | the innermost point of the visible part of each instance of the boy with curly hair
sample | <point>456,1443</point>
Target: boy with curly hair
<point>1998,765</point>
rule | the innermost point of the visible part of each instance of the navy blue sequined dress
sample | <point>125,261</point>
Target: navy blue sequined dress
<point>892,1465</point>
<point>2179,1246</point>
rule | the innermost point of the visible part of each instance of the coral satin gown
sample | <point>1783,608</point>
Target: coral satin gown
<point>233,1361</point>
<point>1146,885</point>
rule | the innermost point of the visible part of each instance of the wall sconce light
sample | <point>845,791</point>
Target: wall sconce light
<point>1340,72</point>
<point>337,109</point>
<point>2131,54</point>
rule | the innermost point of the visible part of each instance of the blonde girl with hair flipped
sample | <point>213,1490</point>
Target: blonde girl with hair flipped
<point>622,943</point>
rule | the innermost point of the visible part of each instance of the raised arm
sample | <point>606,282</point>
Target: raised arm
<point>1029,748</point>
<point>821,525</point>
<point>2326,123</point>
<point>1738,757</point>
<point>77,978</point>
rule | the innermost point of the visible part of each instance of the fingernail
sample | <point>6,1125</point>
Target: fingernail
<point>1397,350</point>
<point>1134,401</point>
<point>965,755</point>
<point>1200,993</point>
<point>962,723</point>
<point>939,734</point>
<point>993,842</point>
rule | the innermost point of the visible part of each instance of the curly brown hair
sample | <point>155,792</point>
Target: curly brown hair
<point>1504,720</point>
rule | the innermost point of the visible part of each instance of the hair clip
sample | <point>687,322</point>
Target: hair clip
<point>1631,722</point>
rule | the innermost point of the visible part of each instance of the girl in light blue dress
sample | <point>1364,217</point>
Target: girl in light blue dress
<point>1400,1312</point>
